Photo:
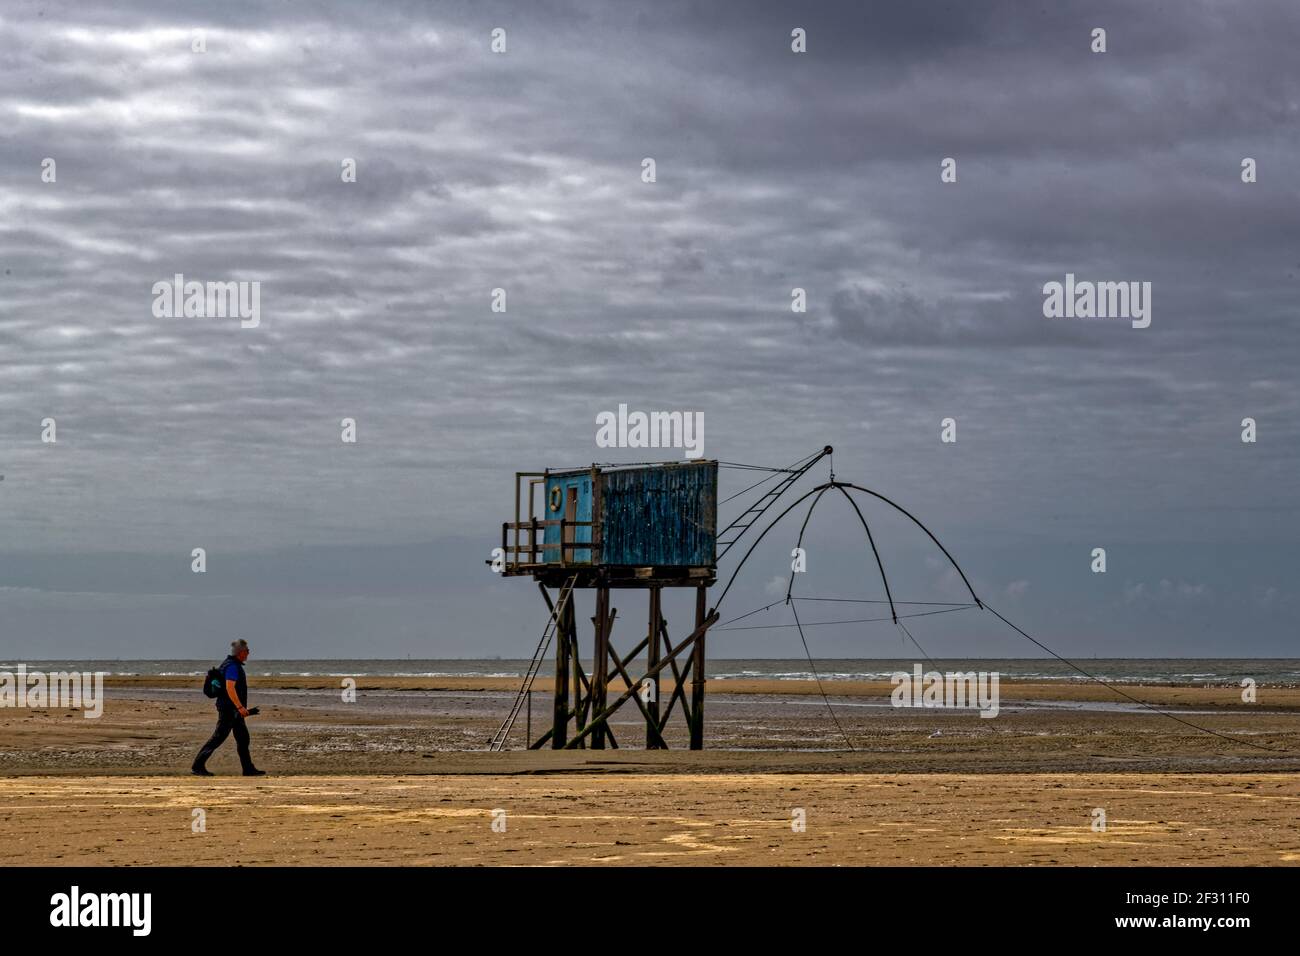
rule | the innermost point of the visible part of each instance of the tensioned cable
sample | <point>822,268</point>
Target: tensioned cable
<point>848,741</point>
<point>789,476</point>
<point>742,467</point>
<point>717,627</point>
<point>790,470</point>
<point>761,481</point>
<point>790,600</point>
<point>903,626</point>
<point>879,601</point>
<point>978,602</point>
<point>1123,693</point>
<point>817,677</point>
<point>641,464</point>
<point>860,620</point>
<point>721,464</point>
<point>766,607</point>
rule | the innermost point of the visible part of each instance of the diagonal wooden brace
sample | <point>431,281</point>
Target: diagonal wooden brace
<point>603,716</point>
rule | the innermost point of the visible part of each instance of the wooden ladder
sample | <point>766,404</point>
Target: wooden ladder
<point>566,592</point>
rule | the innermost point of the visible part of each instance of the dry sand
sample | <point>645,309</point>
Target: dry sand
<point>732,819</point>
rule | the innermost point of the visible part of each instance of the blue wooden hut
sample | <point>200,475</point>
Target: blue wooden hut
<point>660,519</point>
<point>644,516</point>
<point>647,526</point>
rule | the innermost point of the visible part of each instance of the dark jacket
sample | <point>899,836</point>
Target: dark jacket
<point>241,685</point>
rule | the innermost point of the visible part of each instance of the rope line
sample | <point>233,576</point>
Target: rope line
<point>817,677</point>
<point>1124,693</point>
<point>895,617</point>
<point>723,625</point>
<point>903,626</point>
<point>860,620</point>
<point>879,601</point>
<point>761,481</point>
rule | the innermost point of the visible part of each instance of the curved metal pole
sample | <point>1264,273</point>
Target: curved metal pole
<point>774,523</point>
<point>880,564</point>
<point>893,504</point>
<point>799,544</point>
<point>917,522</point>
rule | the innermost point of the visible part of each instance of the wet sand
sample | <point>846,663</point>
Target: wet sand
<point>1276,698</point>
<point>1040,728</point>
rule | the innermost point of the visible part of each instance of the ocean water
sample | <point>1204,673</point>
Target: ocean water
<point>1284,672</point>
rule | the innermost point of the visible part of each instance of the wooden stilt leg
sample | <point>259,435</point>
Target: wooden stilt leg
<point>697,683</point>
<point>560,727</point>
<point>600,664</point>
<point>652,735</point>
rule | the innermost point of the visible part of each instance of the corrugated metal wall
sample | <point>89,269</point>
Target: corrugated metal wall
<point>665,515</point>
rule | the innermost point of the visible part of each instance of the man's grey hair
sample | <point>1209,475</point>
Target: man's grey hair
<point>239,645</point>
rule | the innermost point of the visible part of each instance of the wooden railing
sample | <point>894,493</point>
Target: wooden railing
<point>529,540</point>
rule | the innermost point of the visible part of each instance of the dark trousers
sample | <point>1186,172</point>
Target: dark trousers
<point>228,719</point>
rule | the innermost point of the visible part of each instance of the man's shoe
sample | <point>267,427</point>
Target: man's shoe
<point>202,772</point>
<point>254,773</point>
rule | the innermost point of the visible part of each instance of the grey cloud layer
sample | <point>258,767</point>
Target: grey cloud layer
<point>775,171</point>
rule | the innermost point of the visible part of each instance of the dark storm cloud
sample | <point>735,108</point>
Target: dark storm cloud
<point>522,171</point>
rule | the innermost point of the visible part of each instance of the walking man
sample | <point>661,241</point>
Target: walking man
<point>232,708</point>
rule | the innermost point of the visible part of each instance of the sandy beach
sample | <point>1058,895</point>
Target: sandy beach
<point>442,725</point>
<point>655,819</point>
<point>402,776</point>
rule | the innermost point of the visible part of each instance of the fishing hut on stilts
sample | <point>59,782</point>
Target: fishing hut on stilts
<point>650,526</point>
<point>614,529</point>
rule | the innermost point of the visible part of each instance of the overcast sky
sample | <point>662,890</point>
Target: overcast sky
<point>522,170</point>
